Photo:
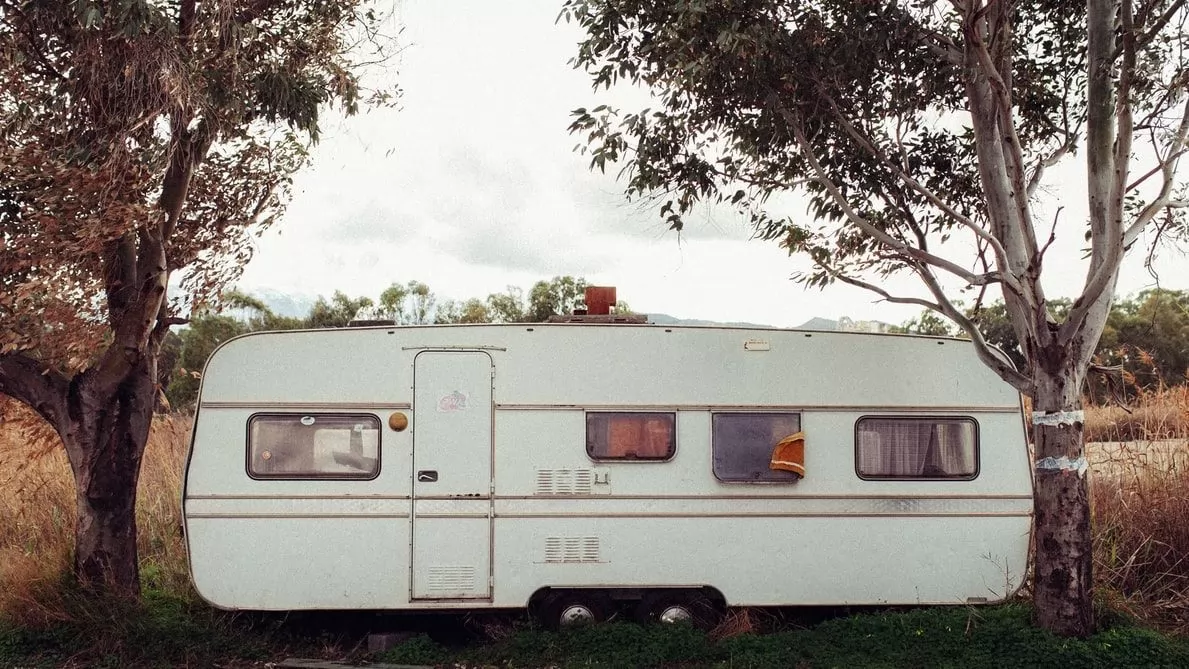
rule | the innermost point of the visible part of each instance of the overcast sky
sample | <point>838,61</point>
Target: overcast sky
<point>473,185</point>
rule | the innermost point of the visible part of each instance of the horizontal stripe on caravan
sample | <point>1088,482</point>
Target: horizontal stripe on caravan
<point>554,498</point>
<point>299,516</point>
<point>388,406</point>
<point>499,516</point>
<point>614,507</point>
<point>355,407</point>
<point>790,408</point>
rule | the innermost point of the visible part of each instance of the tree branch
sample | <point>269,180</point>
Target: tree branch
<point>34,384</point>
<point>998,75</point>
<point>119,277</point>
<point>1002,367</point>
<point>1168,169</point>
<point>1106,234</point>
<point>879,235</point>
<point>1047,162</point>
<point>1153,30</point>
<point>865,142</point>
<point>999,364</point>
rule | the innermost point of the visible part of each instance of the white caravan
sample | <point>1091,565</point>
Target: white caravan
<point>570,467</point>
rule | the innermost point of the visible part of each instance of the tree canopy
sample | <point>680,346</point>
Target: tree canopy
<point>919,133</point>
<point>140,141</point>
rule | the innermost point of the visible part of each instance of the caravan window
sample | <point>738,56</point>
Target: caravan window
<point>744,445</point>
<point>330,446</point>
<point>631,436</point>
<point>916,448</point>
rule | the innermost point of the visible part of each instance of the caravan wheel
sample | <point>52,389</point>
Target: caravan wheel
<point>573,608</point>
<point>689,607</point>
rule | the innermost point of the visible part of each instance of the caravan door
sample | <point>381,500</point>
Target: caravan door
<point>452,475</point>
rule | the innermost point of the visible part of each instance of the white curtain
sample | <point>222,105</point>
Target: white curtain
<point>916,448</point>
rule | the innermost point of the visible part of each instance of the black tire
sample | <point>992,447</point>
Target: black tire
<point>567,608</point>
<point>693,607</point>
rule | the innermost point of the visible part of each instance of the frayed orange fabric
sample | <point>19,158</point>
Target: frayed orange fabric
<point>789,454</point>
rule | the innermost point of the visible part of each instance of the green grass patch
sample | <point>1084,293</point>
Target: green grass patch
<point>161,630</point>
<point>171,631</point>
<point>936,637</point>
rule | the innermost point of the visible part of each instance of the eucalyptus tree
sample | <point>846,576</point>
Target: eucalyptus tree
<point>920,135</point>
<point>142,140</point>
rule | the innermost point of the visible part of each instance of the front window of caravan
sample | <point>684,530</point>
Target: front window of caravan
<point>314,446</point>
<point>631,436</point>
<point>917,448</point>
<point>758,447</point>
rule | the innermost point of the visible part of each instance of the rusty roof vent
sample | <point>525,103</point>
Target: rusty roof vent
<point>600,300</point>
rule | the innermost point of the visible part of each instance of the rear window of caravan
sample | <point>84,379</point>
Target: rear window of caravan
<point>313,446</point>
<point>925,447</point>
<point>617,435</point>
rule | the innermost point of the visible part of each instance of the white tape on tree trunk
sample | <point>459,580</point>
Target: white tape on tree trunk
<point>1058,418</point>
<point>1064,464</point>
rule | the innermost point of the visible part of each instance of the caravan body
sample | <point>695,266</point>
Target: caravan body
<point>480,466</point>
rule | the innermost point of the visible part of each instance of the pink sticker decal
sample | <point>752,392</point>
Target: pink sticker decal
<point>455,401</point>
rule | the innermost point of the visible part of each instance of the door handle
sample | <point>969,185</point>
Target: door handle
<point>427,476</point>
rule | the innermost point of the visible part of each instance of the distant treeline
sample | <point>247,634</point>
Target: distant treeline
<point>1145,344</point>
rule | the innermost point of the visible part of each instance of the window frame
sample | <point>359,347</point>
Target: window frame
<point>978,462</point>
<point>586,414</point>
<point>760,412</point>
<point>336,476</point>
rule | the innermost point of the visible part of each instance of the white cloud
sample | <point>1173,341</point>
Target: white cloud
<point>474,185</point>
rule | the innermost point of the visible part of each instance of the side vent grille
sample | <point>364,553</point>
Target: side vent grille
<point>452,579</point>
<point>564,481</point>
<point>571,549</point>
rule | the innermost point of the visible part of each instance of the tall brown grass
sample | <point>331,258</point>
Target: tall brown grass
<point>1139,495</point>
<point>37,513</point>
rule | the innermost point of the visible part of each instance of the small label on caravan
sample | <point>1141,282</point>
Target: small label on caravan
<point>757,345</point>
<point>455,401</point>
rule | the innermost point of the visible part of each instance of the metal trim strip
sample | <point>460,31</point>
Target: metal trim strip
<point>793,514</point>
<point>302,516</point>
<point>508,406</point>
<point>315,406</point>
<point>265,496</point>
<point>501,515</point>
<point>553,498</point>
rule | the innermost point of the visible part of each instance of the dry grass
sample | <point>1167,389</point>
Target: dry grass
<point>37,515</point>
<point>1140,498</point>
<point>1153,415</point>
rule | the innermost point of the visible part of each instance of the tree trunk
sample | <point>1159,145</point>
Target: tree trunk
<point>105,442</point>
<point>1063,578</point>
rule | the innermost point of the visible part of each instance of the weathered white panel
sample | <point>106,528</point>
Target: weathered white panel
<point>300,563</point>
<point>579,364</point>
<point>804,561</point>
<point>452,558</point>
